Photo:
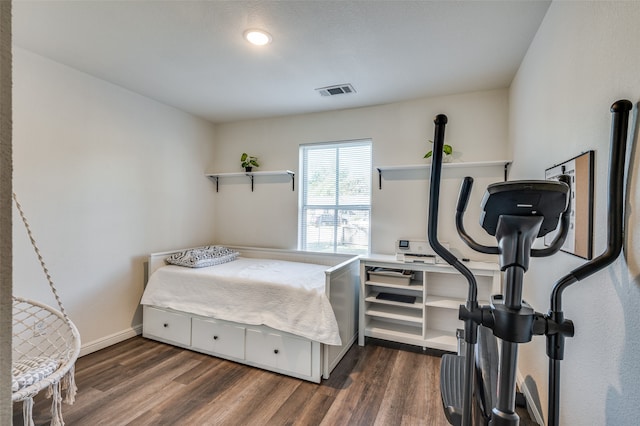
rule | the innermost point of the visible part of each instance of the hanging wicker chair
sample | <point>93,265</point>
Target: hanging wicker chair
<point>45,347</point>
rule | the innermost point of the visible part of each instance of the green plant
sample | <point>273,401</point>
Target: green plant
<point>447,149</point>
<point>247,160</point>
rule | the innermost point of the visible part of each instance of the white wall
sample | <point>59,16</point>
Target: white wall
<point>400,132</point>
<point>584,57</point>
<point>105,177</point>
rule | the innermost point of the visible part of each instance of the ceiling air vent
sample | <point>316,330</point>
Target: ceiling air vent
<point>340,89</point>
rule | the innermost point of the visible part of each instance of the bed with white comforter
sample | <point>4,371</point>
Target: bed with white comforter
<point>284,295</point>
<point>291,300</point>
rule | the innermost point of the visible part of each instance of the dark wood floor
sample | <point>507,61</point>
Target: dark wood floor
<point>142,382</point>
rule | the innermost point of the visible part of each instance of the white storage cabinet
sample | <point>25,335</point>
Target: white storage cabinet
<point>431,320</point>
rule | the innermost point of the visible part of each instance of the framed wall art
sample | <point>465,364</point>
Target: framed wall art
<point>579,240</point>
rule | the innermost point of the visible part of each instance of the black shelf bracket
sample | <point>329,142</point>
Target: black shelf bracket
<point>251,177</point>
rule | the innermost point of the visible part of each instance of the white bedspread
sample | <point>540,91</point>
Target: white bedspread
<point>287,296</point>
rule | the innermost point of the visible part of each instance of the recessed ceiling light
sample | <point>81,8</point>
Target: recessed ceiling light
<point>257,37</point>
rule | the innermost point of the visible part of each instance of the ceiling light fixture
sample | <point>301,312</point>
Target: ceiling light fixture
<point>257,37</point>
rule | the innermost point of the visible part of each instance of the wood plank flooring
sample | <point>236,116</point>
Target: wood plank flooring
<point>142,382</point>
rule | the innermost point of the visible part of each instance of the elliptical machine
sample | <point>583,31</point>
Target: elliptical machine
<point>479,386</point>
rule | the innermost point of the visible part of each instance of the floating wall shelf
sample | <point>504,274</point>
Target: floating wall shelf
<point>215,177</point>
<point>426,167</point>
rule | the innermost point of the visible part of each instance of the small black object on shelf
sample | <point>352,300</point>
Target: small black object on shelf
<point>396,297</point>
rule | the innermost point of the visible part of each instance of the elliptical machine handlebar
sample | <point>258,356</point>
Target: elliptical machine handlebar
<point>615,205</point>
<point>615,233</point>
<point>463,196</point>
<point>463,201</point>
<point>470,328</point>
<point>432,229</point>
<point>565,224</point>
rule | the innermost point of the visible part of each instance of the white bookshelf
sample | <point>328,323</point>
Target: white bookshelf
<point>431,320</point>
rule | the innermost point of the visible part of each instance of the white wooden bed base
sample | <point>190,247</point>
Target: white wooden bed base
<point>261,346</point>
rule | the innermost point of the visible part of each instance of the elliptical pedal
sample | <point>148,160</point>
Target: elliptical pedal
<point>451,387</point>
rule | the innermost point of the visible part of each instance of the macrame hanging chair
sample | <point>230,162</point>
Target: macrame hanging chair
<point>45,347</point>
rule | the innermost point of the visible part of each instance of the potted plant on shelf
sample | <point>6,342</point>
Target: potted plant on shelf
<point>447,150</point>
<point>248,162</point>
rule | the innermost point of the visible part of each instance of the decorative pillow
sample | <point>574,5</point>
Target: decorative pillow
<point>203,256</point>
<point>26,372</point>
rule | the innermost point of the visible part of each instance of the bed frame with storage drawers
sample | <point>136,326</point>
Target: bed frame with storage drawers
<point>258,345</point>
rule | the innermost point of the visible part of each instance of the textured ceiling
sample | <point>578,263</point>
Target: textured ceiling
<point>191,54</point>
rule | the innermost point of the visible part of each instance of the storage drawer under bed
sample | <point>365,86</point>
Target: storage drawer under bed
<point>255,345</point>
<point>279,351</point>
<point>168,326</point>
<point>218,337</point>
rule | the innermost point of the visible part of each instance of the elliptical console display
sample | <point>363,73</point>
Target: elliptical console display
<point>545,199</point>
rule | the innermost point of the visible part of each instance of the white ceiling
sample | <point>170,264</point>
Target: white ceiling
<point>191,54</point>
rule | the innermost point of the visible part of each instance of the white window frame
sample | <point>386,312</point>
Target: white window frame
<point>336,206</point>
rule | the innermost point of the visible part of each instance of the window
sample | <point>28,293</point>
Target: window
<point>335,197</point>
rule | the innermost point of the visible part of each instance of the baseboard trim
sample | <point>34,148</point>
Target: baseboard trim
<point>532,406</point>
<point>110,340</point>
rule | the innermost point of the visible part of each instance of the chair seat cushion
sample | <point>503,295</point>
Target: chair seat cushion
<point>25,372</point>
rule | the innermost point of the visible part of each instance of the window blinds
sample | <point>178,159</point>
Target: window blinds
<point>335,197</point>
